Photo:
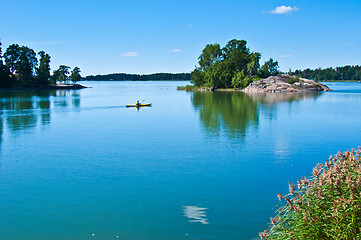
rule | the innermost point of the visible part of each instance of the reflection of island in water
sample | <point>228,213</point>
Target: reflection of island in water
<point>234,112</point>
<point>23,110</point>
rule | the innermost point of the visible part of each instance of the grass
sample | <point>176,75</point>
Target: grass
<point>326,205</point>
<point>188,88</point>
<point>292,80</point>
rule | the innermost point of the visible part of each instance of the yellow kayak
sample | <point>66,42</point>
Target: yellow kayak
<point>140,105</point>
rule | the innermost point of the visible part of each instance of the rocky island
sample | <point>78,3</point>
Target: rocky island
<point>285,83</point>
<point>66,86</point>
<point>235,67</point>
<point>282,83</point>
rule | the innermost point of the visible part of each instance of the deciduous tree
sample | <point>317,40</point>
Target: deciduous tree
<point>6,80</point>
<point>269,68</point>
<point>75,75</point>
<point>12,57</point>
<point>21,61</point>
<point>61,74</point>
<point>218,66</point>
<point>43,72</point>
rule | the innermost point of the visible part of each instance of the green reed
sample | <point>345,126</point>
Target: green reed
<point>325,206</point>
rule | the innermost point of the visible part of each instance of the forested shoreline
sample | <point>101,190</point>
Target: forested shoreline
<point>233,66</point>
<point>22,69</point>
<point>140,77</point>
<point>345,73</point>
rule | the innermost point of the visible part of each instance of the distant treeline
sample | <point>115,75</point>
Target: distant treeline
<point>138,77</point>
<point>338,73</point>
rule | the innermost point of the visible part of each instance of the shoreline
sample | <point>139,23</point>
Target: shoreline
<point>203,89</point>
<point>60,86</point>
<point>273,84</point>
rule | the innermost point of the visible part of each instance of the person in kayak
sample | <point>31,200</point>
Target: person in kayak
<point>138,103</point>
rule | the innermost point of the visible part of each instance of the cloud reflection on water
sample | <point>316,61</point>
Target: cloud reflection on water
<point>195,214</point>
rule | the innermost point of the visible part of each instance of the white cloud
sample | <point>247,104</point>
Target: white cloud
<point>286,56</point>
<point>284,10</point>
<point>176,50</point>
<point>130,54</point>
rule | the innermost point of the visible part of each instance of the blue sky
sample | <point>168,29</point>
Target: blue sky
<point>143,37</point>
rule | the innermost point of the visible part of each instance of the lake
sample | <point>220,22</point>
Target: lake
<point>78,164</point>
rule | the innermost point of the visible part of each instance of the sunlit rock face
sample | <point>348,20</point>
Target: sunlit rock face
<point>285,83</point>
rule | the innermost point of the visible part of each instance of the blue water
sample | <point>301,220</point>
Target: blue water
<point>78,164</point>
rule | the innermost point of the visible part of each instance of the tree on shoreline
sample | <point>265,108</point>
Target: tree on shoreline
<point>269,68</point>
<point>43,72</point>
<point>21,69</point>
<point>75,75</point>
<point>21,62</point>
<point>234,65</point>
<point>61,74</point>
<point>6,80</point>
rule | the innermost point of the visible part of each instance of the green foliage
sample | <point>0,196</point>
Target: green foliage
<point>27,66</point>
<point>197,77</point>
<point>292,79</point>
<point>22,62</point>
<point>12,57</point>
<point>234,112</point>
<point>253,65</point>
<point>43,72</point>
<point>326,206</point>
<point>75,75</point>
<point>236,56</point>
<point>339,73</point>
<point>218,66</point>
<point>241,80</point>
<point>21,69</point>
<point>138,77</point>
<point>269,68</point>
<point>217,76</point>
<point>6,80</point>
<point>188,88</point>
<point>61,74</point>
<point>211,54</point>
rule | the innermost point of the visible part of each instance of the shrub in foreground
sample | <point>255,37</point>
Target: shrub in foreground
<point>325,206</point>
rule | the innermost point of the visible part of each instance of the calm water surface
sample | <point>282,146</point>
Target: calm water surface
<point>77,164</point>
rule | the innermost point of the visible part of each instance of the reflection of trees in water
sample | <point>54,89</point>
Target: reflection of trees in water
<point>67,98</point>
<point>21,106</point>
<point>232,112</point>
<point>22,110</point>
<point>1,131</point>
<point>235,112</point>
